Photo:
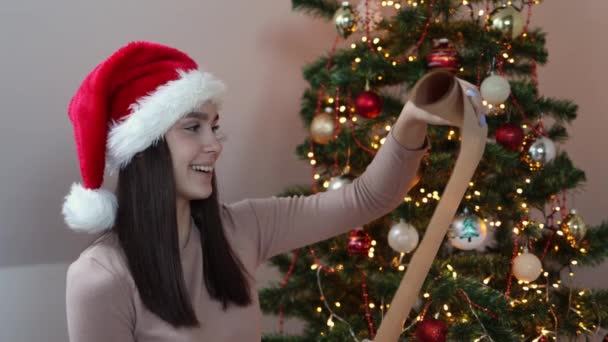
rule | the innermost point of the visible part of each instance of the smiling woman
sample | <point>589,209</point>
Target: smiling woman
<point>172,262</point>
<point>161,195</point>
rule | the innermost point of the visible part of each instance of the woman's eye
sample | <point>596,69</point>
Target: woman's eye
<point>216,128</point>
<point>193,128</point>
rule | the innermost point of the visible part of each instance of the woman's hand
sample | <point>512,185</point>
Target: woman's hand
<point>415,114</point>
<point>411,125</point>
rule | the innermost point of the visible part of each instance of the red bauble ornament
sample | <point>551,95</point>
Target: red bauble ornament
<point>368,104</point>
<point>443,56</point>
<point>359,242</point>
<point>510,136</point>
<point>431,330</point>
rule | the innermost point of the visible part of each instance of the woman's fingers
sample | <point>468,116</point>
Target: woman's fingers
<point>475,97</point>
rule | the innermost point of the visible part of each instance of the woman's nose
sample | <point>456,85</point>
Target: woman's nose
<point>211,143</point>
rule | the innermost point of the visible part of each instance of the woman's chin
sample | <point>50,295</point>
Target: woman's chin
<point>200,194</point>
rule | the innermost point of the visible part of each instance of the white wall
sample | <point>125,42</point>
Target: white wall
<point>258,48</point>
<point>33,302</point>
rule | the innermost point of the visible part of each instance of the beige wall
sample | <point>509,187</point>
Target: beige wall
<point>258,48</point>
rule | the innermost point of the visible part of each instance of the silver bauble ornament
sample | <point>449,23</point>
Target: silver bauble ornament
<point>345,20</point>
<point>495,89</point>
<point>338,182</point>
<point>467,231</point>
<point>527,267</point>
<point>508,20</point>
<point>542,151</point>
<point>403,237</point>
<point>322,128</point>
<point>574,228</point>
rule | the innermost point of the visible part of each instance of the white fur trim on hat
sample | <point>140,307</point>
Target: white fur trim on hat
<point>89,210</point>
<point>154,114</point>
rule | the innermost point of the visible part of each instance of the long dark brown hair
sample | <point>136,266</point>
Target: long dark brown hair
<point>146,226</point>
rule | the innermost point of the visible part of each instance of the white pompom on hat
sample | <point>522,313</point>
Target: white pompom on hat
<point>126,104</point>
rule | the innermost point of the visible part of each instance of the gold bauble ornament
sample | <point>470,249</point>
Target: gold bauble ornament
<point>574,228</point>
<point>508,20</point>
<point>322,128</point>
<point>345,20</point>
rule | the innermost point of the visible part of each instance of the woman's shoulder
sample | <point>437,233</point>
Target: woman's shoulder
<point>102,259</point>
<point>97,282</point>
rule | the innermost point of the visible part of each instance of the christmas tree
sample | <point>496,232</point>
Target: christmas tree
<point>502,273</point>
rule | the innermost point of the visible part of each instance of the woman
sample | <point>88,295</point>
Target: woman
<point>172,263</point>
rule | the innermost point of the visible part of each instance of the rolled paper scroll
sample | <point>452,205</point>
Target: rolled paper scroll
<point>442,94</point>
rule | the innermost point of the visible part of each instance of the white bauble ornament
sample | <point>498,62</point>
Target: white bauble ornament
<point>338,182</point>
<point>403,237</point>
<point>495,89</point>
<point>527,267</point>
<point>467,231</point>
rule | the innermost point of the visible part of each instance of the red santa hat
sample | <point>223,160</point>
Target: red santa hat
<point>126,104</point>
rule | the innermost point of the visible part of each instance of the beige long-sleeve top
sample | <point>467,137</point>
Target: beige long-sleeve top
<point>103,304</point>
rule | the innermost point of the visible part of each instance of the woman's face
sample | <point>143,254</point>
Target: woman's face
<point>194,142</point>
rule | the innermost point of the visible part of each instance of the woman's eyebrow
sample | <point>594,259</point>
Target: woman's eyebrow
<point>201,115</point>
